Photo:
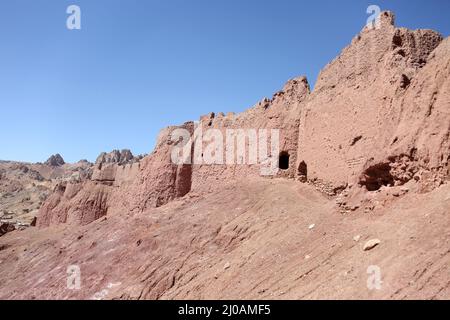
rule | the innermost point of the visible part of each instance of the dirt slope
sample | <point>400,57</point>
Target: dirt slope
<point>254,241</point>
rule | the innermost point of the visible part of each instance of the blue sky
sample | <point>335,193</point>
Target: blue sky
<point>137,66</point>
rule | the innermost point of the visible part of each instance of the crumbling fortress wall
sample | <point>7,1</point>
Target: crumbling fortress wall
<point>378,116</point>
<point>159,179</point>
<point>282,113</point>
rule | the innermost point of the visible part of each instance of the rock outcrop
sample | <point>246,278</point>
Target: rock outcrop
<point>24,187</point>
<point>116,157</point>
<point>88,198</point>
<point>55,161</point>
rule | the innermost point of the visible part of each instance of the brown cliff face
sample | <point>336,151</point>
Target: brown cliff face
<point>75,203</point>
<point>365,118</point>
<point>159,180</point>
<point>87,199</point>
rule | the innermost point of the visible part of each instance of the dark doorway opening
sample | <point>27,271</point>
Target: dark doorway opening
<point>283,160</point>
<point>302,171</point>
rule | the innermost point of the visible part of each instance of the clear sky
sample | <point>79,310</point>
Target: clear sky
<point>137,66</point>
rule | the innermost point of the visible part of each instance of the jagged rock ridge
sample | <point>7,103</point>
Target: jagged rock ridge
<point>55,161</point>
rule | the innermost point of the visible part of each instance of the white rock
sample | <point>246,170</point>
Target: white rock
<point>371,244</point>
<point>311,226</point>
<point>357,238</point>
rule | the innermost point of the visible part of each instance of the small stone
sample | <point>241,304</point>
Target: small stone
<point>311,226</point>
<point>307,257</point>
<point>357,238</point>
<point>371,244</point>
<point>226,266</point>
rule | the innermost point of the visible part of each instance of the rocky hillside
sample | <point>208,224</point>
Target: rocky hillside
<point>24,187</point>
<point>363,181</point>
<point>259,239</point>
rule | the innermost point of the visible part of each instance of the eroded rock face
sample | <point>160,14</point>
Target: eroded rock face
<point>25,186</point>
<point>370,110</point>
<point>378,117</point>
<point>158,180</point>
<point>87,199</point>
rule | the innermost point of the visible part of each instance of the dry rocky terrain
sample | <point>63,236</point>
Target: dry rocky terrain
<point>24,187</point>
<point>363,184</point>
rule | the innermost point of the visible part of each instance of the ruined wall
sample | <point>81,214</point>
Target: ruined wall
<point>420,145</point>
<point>282,112</point>
<point>355,111</point>
<point>379,115</point>
<point>158,180</point>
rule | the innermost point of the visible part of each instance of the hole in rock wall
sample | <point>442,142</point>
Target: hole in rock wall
<point>397,40</point>
<point>377,176</point>
<point>302,171</point>
<point>283,160</point>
